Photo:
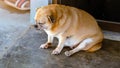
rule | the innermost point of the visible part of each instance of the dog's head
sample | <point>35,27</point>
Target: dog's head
<point>44,18</point>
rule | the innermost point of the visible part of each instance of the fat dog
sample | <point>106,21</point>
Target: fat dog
<point>73,27</point>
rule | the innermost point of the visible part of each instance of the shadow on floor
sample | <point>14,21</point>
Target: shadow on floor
<point>26,54</point>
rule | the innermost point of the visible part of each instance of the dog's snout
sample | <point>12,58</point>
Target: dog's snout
<point>36,26</point>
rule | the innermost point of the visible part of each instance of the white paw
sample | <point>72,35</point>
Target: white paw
<point>68,53</point>
<point>56,51</point>
<point>44,46</point>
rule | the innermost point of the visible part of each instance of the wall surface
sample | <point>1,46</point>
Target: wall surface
<point>34,5</point>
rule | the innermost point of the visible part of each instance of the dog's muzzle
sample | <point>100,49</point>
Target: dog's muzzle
<point>36,27</point>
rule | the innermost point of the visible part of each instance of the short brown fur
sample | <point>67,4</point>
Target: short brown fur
<point>69,22</point>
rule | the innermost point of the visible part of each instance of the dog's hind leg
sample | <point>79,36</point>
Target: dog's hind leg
<point>81,46</point>
<point>94,48</point>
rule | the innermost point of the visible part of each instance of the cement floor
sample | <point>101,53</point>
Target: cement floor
<point>19,48</point>
<point>26,54</point>
<point>12,23</point>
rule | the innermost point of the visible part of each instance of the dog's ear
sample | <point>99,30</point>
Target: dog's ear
<point>51,18</point>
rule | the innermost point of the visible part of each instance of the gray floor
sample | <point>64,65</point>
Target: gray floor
<point>19,46</point>
<point>26,54</point>
<point>12,24</point>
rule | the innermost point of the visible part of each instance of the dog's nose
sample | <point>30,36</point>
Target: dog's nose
<point>36,26</point>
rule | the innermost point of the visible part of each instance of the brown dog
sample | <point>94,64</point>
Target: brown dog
<point>73,27</point>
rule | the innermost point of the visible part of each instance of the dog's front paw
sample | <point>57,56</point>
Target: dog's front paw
<point>56,52</point>
<point>68,53</point>
<point>45,46</point>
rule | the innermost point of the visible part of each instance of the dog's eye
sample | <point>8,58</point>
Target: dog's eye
<point>40,23</point>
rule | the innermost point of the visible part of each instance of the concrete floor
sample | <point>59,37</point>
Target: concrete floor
<point>19,46</point>
<point>25,54</point>
<point>12,23</point>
